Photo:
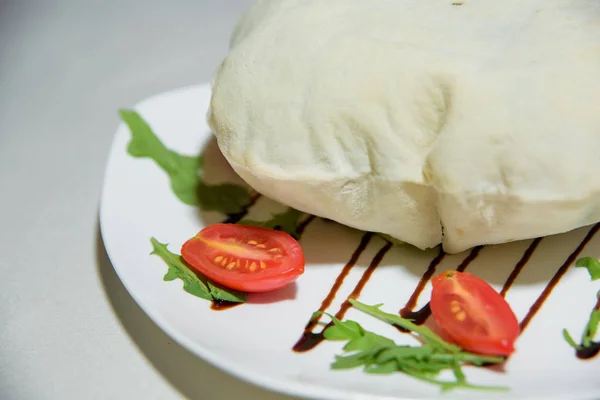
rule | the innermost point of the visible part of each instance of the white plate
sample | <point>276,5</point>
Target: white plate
<point>254,341</point>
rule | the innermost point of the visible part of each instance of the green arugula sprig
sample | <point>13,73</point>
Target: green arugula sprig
<point>593,324</point>
<point>589,333</point>
<point>187,183</point>
<point>380,355</point>
<point>186,176</point>
<point>286,221</point>
<point>193,283</point>
<point>592,265</point>
<point>185,172</point>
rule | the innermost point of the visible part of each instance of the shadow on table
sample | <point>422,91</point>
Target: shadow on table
<point>191,376</point>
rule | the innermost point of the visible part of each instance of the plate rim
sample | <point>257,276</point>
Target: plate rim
<point>281,385</point>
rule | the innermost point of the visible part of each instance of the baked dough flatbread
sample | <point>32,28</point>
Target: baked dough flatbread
<point>431,122</point>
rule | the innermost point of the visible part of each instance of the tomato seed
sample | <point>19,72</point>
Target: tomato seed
<point>461,316</point>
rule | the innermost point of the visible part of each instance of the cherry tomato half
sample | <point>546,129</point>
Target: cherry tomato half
<point>472,314</point>
<point>246,258</point>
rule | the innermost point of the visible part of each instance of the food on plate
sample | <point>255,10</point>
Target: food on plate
<point>476,325</point>
<point>472,314</point>
<point>185,172</point>
<point>287,221</point>
<point>377,354</point>
<point>247,258</point>
<point>592,265</point>
<point>193,283</point>
<point>423,120</point>
<point>587,348</point>
<point>187,182</point>
<point>224,261</point>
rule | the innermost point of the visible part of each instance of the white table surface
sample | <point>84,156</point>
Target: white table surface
<point>68,328</point>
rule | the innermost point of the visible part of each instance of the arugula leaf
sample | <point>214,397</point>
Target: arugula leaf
<point>227,198</point>
<point>394,319</point>
<point>591,328</point>
<point>380,355</point>
<point>592,265</point>
<point>347,330</point>
<point>368,340</point>
<point>449,385</point>
<point>286,221</point>
<point>219,292</point>
<point>192,283</point>
<point>177,270</point>
<point>185,172</point>
<point>399,353</point>
<point>182,170</point>
<point>382,368</point>
<point>569,339</point>
<point>351,361</point>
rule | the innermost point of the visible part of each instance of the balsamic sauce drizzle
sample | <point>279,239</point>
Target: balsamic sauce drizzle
<point>309,339</point>
<point>414,298</point>
<point>419,317</point>
<point>533,310</point>
<point>363,280</point>
<point>519,267</point>
<point>222,305</point>
<point>234,218</point>
<point>467,261</point>
<point>302,225</point>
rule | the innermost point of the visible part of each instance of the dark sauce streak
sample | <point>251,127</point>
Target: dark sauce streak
<point>589,352</point>
<point>519,267</point>
<point>469,259</point>
<point>309,339</point>
<point>220,305</point>
<point>302,226</point>
<point>407,310</point>
<point>556,278</point>
<point>363,280</point>
<point>419,317</point>
<point>237,217</point>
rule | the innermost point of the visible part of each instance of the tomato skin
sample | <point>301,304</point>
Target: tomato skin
<point>246,258</point>
<point>473,315</point>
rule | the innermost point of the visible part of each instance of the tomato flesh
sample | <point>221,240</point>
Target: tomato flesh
<point>247,258</point>
<point>472,314</point>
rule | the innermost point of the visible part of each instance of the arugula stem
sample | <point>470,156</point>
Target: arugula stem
<point>394,319</point>
<point>449,385</point>
<point>592,326</point>
<point>467,357</point>
<point>458,373</point>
